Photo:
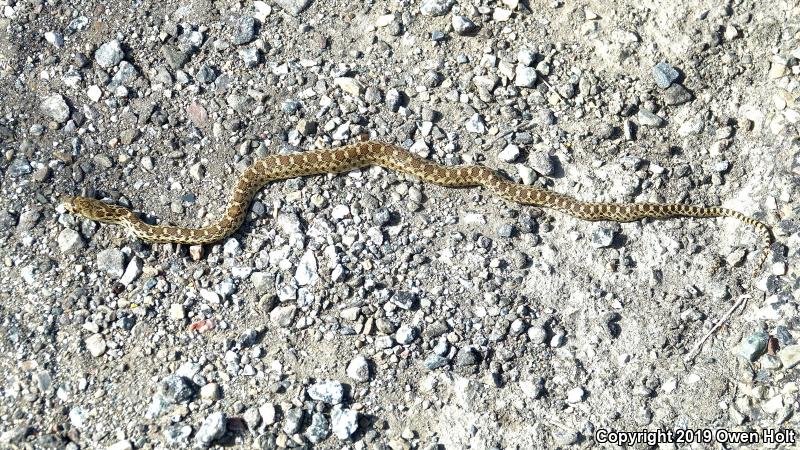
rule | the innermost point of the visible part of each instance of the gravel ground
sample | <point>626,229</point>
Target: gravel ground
<point>369,310</point>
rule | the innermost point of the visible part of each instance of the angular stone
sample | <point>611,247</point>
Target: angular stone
<point>109,54</point>
<point>56,108</point>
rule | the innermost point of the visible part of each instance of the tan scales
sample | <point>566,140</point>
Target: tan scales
<point>349,157</point>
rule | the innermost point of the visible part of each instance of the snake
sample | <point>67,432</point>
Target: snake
<point>373,153</point>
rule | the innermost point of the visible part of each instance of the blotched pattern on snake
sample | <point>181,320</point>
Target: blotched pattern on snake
<point>345,158</point>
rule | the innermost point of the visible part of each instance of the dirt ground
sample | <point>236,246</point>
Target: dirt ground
<point>369,310</point>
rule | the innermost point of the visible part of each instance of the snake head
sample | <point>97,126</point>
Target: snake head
<point>93,209</point>
<point>67,201</point>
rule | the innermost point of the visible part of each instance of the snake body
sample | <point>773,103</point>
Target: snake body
<point>349,157</point>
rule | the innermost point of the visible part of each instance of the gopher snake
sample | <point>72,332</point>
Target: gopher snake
<point>342,159</point>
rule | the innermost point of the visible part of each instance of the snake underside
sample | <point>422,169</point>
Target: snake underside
<point>349,157</point>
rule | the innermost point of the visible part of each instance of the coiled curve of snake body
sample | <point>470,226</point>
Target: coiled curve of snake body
<point>349,157</point>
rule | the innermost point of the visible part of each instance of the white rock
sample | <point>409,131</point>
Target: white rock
<point>524,76</point>
<point>176,311</point>
<point>773,405</point>
<point>132,272</point>
<point>268,413</point>
<point>232,247</point>
<point>77,417</point>
<point>790,356</point>
<point>420,148</point>
<point>463,25</point>
<point>109,54</point>
<point>342,132</point>
<point>340,212</point>
<point>358,369</point>
<point>575,395</point>
<point>121,445</point>
<point>474,219</point>
<point>501,14</point>
<point>692,126</point>
<point>69,241</point>
<point>94,93</point>
<point>56,108</point>
<point>406,334</point>
<point>210,296</point>
<point>328,391</point>
<point>112,262</point>
<point>384,20</point>
<point>306,272</point>
<point>197,171</point>
<point>649,119</point>
<point>475,124</point>
<point>527,174</point>
<point>283,315</point>
<point>262,10</point>
<point>525,57</point>
<point>509,154</point>
<point>96,344</point>
<point>349,85</point>
<point>435,7</point>
<point>212,428</point>
<point>55,38</point>
<point>210,392</point>
<point>344,422</point>
<point>731,33</point>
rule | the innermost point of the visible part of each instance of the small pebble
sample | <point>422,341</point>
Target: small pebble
<point>94,93</point>
<point>293,421</point>
<point>330,392</point>
<point>250,56</point>
<point>677,95</point>
<point>344,422</point>
<point>349,85</point>
<point>112,262</point>
<point>210,392</point>
<point>212,428</point>
<point>664,74</point>
<point>753,346</point>
<point>475,124</point>
<point>306,273</point>
<point>509,154</point>
<point>575,395</point>
<point>526,57</point>
<point>109,54</point>
<point>96,344</point>
<point>435,7</point>
<point>69,241</point>
<point>56,108</point>
<point>293,7</point>
<point>406,334</point>
<point>319,429</point>
<point>435,361</point>
<point>790,356</point>
<point>602,237</point>
<point>649,119</point>
<point>463,26</point>
<point>244,30</point>
<point>524,76</point>
<point>55,38</point>
<point>177,312</point>
<point>268,413</point>
<point>358,369</point>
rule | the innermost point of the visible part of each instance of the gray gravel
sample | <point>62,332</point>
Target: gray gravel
<point>368,309</point>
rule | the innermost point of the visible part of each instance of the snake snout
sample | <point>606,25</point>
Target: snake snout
<point>67,201</point>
